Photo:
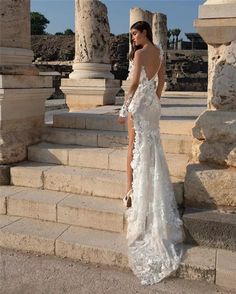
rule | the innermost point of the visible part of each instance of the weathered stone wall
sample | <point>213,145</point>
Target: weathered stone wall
<point>51,48</point>
<point>186,70</point>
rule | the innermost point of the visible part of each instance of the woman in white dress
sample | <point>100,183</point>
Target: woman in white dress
<point>155,231</point>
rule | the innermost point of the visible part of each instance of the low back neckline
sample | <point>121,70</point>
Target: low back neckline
<point>161,57</point>
<point>154,74</point>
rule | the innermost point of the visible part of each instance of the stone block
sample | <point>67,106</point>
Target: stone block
<point>29,174</point>
<point>6,191</point>
<point>86,181</point>
<point>208,186</point>
<point>198,263</point>
<point>23,81</point>
<point>112,139</point>
<point>226,269</point>
<point>69,120</point>
<point>216,31</point>
<point>91,212</point>
<point>60,136</point>
<point>35,203</point>
<point>31,235</point>
<point>86,138</point>
<point>180,144</point>
<point>118,159</point>
<point>214,152</point>
<point>217,10</point>
<point>106,122</point>
<point>93,246</point>
<point>91,93</point>
<point>216,126</point>
<point>6,220</point>
<point>3,205</point>
<point>89,157</point>
<point>176,127</point>
<point>23,103</point>
<point>49,153</point>
<point>210,228</point>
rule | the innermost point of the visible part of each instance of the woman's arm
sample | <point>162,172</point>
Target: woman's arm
<point>136,75</point>
<point>161,79</point>
<point>134,83</point>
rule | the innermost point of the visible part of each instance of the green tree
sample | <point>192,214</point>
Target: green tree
<point>38,23</point>
<point>58,33</point>
<point>176,32</point>
<point>68,32</point>
<point>169,33</point>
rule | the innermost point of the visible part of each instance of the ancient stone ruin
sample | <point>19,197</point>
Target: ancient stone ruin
<point>62,182</point>
<point>211,178</point>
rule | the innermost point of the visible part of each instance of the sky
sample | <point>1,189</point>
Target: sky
<point>180,13</point>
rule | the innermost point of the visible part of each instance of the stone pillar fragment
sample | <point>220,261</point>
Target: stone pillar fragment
<point>214,144</point>
<point>91,83</point>
<point>138,14</point>
<point>22,90</point>
<point>159,29</point>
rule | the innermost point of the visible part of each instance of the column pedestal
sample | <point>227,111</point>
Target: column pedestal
<point>89,93</point>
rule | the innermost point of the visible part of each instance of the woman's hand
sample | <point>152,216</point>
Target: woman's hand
<point>121,120</point>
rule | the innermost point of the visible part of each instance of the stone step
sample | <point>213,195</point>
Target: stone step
<point>108,122</point>
<point>80,210</point>
<point>87,181</point>
<point>210,228</point>
<point>180,144</point>
<point>95,246</point>
<point>94,157</point>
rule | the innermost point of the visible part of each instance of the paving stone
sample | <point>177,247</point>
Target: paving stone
<point>30,234</point>
<point>93,246</point>
<point>35,203</point>
<point>226,269</point>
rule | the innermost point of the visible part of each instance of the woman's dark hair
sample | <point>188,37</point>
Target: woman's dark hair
<point>140,26</point>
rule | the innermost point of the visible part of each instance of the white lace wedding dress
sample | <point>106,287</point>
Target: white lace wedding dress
<point>155,233</point>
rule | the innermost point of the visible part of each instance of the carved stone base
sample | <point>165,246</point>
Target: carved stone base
<point>89,93</point>
<point>17,61</point>
<point>216,30</point>
<point>22,107</point>
<point>87,70</point>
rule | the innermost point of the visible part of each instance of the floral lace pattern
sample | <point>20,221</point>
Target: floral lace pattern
<point>155,230</point>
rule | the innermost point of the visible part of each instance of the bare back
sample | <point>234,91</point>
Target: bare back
<point>151,60</point>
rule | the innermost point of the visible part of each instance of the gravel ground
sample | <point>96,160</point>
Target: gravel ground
<point>23,273</point>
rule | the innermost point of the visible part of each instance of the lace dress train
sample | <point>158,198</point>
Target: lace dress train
<point>155,230</point>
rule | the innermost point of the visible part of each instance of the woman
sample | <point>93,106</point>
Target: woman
<point>155,233</point>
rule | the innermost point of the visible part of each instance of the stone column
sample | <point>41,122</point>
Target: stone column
<point>91,83</point>
<point>22,90</point>
<point>157,21</point>
<point>138,14</point>
<point>211,177</point>
<point>159,28</point>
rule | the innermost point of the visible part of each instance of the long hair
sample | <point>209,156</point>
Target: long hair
<point>140,26</point>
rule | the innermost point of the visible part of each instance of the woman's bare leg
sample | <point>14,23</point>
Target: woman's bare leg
<point>131,134</point>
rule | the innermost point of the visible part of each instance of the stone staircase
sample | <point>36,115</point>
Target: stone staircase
<point>65,199</point>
